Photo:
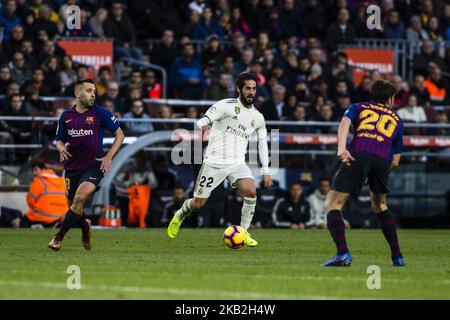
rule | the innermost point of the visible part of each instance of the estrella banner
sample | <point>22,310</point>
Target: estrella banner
<point>363,60</point>
<point>92,53</point>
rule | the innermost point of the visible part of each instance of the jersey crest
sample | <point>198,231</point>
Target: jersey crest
<point>89,120</point>
<point>237,110</point>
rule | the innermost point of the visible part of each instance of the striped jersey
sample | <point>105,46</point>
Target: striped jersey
<point>83,132</point>
<point>378,129</point>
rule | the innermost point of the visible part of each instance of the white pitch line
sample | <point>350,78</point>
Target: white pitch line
<point>185,292</point>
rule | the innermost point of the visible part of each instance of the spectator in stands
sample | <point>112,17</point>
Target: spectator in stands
<point>341,32</point>
<point>51,72</point>
<point>151,88</point>
<point>190,113</point>
<point>212,56</point>
<point>13,45</point>
<point>237,45</point>
<point>326,115</point>
<point>137,171</point>
<point>97,21</point>
<point>9,18</point>
<point>27,48</point>
<point>316,202</point>
<point>19,71</point>
<point>29,24</point>
<point>292,211</point>
<point>112,93</point>
<point>67,75</point>
<point>361,92</point>
<point>21,130</point>
<point>5,78</point>
<point>434,30</point>
<point>104,77</point>
<point>274,109</point>
<point>427,56</point>
<point>418,89</point>
<point>37,82</point>
<point>194,19</point>
<point>47,21</point>
<point>393,27</point>
<point>342,104</point>
<point>166,51</point>
<point>33,104</point>
<point>186,74</point>
<point>133,93</point>
<point>291,25</point>
<point>219,90</point>
<point>179,196</point>
<point>437,86</point>
<point>197,6</point>
<point>298,115</point>
<point>207,26</point>
<point>426,11</point>
<point>238,24</point>
<point>411,112</point>
<point>401,97</point>
<point>164,112</point>
<point>134,80</point>
<point>442,118</point>
<point>246,58</point>
<point>119,26</point>
<point>415,32</point>
<point>153,17</point>
<point>137,112</point>
<point>82,72</point>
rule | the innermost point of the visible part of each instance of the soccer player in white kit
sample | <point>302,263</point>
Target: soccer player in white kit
<point>232,122</point>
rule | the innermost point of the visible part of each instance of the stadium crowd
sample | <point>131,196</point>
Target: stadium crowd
<point>291,45</point>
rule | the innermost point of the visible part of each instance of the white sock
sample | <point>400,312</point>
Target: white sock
<point>248,210</point>
<point>184,211</point>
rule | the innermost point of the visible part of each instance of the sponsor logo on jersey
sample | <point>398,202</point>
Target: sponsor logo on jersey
<point>74,133</point>
<point>237,110</point>
<point>89,120</point>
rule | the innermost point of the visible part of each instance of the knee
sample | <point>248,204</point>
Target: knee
<point>79,200</point>
<point>378,207</point>
<point>250,193</point>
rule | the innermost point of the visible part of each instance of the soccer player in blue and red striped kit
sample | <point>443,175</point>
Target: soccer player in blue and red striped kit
<point>374,151</point>
<point>79,140</point>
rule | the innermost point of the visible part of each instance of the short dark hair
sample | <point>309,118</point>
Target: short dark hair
<point>324,179</point>
<point>15,95</point>
<point>295,183</point>
<point>245,76</point>
<point>81,81</point>
<point>38,164</point>
<point>381,91</point>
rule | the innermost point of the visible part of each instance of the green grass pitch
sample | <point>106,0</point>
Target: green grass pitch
<point>144,264</point>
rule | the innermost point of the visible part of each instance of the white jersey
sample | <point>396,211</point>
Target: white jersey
<point>232,126</point>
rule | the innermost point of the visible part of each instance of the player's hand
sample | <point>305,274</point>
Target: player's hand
<point>106,164</point>
<point>393,166</point>
<point>64,153</point>
<point>267,181</point>
<point>346,157</point>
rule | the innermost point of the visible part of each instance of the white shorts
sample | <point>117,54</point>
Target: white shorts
<point>210,177</point>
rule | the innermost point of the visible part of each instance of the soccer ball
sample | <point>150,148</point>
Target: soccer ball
<point>234,237</point>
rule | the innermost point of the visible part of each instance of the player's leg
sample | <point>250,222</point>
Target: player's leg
<point>377,179</point>
<point>74,214</point>
<point>335,222</point>
<point>241,178</point>
<point>207,180</point>
<point>347,180</point>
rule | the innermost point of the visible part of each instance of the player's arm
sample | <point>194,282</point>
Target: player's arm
<point>216,112</point>
<point>61,139</point>
<point>263,151</point>
<point>343,130</point>
<point>119,137</point>
<point>110,122</point>
<point>398,148</point>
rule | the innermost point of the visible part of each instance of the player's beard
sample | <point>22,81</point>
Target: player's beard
<point>247,100</point>
<point>87,103</point>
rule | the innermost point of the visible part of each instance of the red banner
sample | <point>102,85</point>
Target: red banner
<point>370,59</point>
<point>91,52</point>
